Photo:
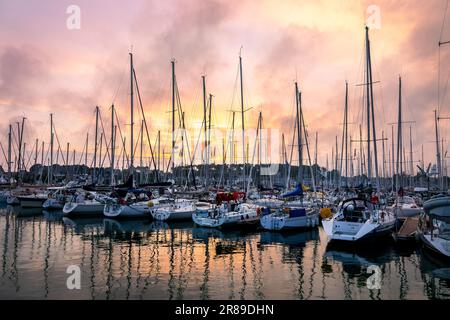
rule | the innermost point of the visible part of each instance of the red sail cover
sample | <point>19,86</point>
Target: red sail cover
<point>229,196</point>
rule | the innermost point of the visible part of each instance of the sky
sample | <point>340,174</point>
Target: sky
<point>46,67</point>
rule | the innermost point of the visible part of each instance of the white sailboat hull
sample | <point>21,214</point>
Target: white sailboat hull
<point>249,216</point>
<point>404,212</point>
<point>355,231</point>
<point>179,210</point>
<point>437,244</point>
<point>283,222</point>
<point>84,209</point>
<point>136,210</point>
<point>53,204</point>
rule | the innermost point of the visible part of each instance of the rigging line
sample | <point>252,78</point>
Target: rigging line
<point>288,178</point>
<point>439,83</point>
<point>59,145</point>
<point>4,154</point>
<point>137,142</point>
<point>357,93</point>
<point>87,131</point>
<point>121,138</point>
<point>313,179</point>
<point>192,111</point>
<point>235,87</point>
<point>119,158</point>
<point>30,154</point>
<point>107,145</point>
<point>443,21</point>
<point>180,111</point>
<point>182,125</point>
<point>120,83</point>
<point>15,139</point>
<point>82,153</point>
<point>143,117</point>
<point>380,91</point>
<point>104,135</point>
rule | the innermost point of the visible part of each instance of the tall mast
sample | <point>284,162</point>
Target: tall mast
<point>299,132</point>
<point>9,152</point>
<point>42,154</point>
<point>95,142</point>
<point>383,157</point>
<point>131,113</point>
<point>336,162</point>
<point>361,156</point>
<point>232,151</point>
<point>173,117</point>
<point>113,144</point>
<point>208,145</point>
<point>242,120</point>
<point>371,114</point>
<point>67,158</point>
<point>23,157</point>
<point>375,158</point>
<point>36,152</point>
<point>141,163</point>
<point>346,132</point>
<point>423,162</point>
<point>315,148</point>
<point>369,164</point>
<point>50,178</point>
<point>204,123</point>
<point>159,150</point>
<point>21,161</point>
<point>392,157</point>
<point>86,153</point>
<point>100,155</point>
<point>411,166</point>
<point>344,146</point>
<point>399,137</point>
<point>438,151</point>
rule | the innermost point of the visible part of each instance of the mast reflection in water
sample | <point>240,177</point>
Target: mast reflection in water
<point>153,260</point>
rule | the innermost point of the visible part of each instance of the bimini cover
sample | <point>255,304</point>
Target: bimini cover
<point>438,206</point>
<point>297,212</point>
<point>298,191</point>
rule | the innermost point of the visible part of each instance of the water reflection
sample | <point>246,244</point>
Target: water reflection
<point>142,259</point>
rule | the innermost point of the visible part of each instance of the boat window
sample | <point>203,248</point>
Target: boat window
<point>443,227</point>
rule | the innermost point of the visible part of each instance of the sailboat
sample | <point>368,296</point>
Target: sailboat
<point>180,209</point>
<point>358,218</point>
<point>405,206</point>
<point>289,218</point>
<point>86,204</point>
<point>434,225</point>
<point>138,209</point>
<point>297,212</point>
<point>34,200</point>
<point>290,215</point>
<point>228,214</point>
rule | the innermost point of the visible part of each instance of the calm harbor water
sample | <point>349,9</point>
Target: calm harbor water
<point>150,260</point>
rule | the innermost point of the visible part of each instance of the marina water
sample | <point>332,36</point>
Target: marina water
<point>143,259</point>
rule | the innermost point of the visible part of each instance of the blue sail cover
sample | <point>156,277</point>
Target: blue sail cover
<point>298,191</point>
<point>297,212</point>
